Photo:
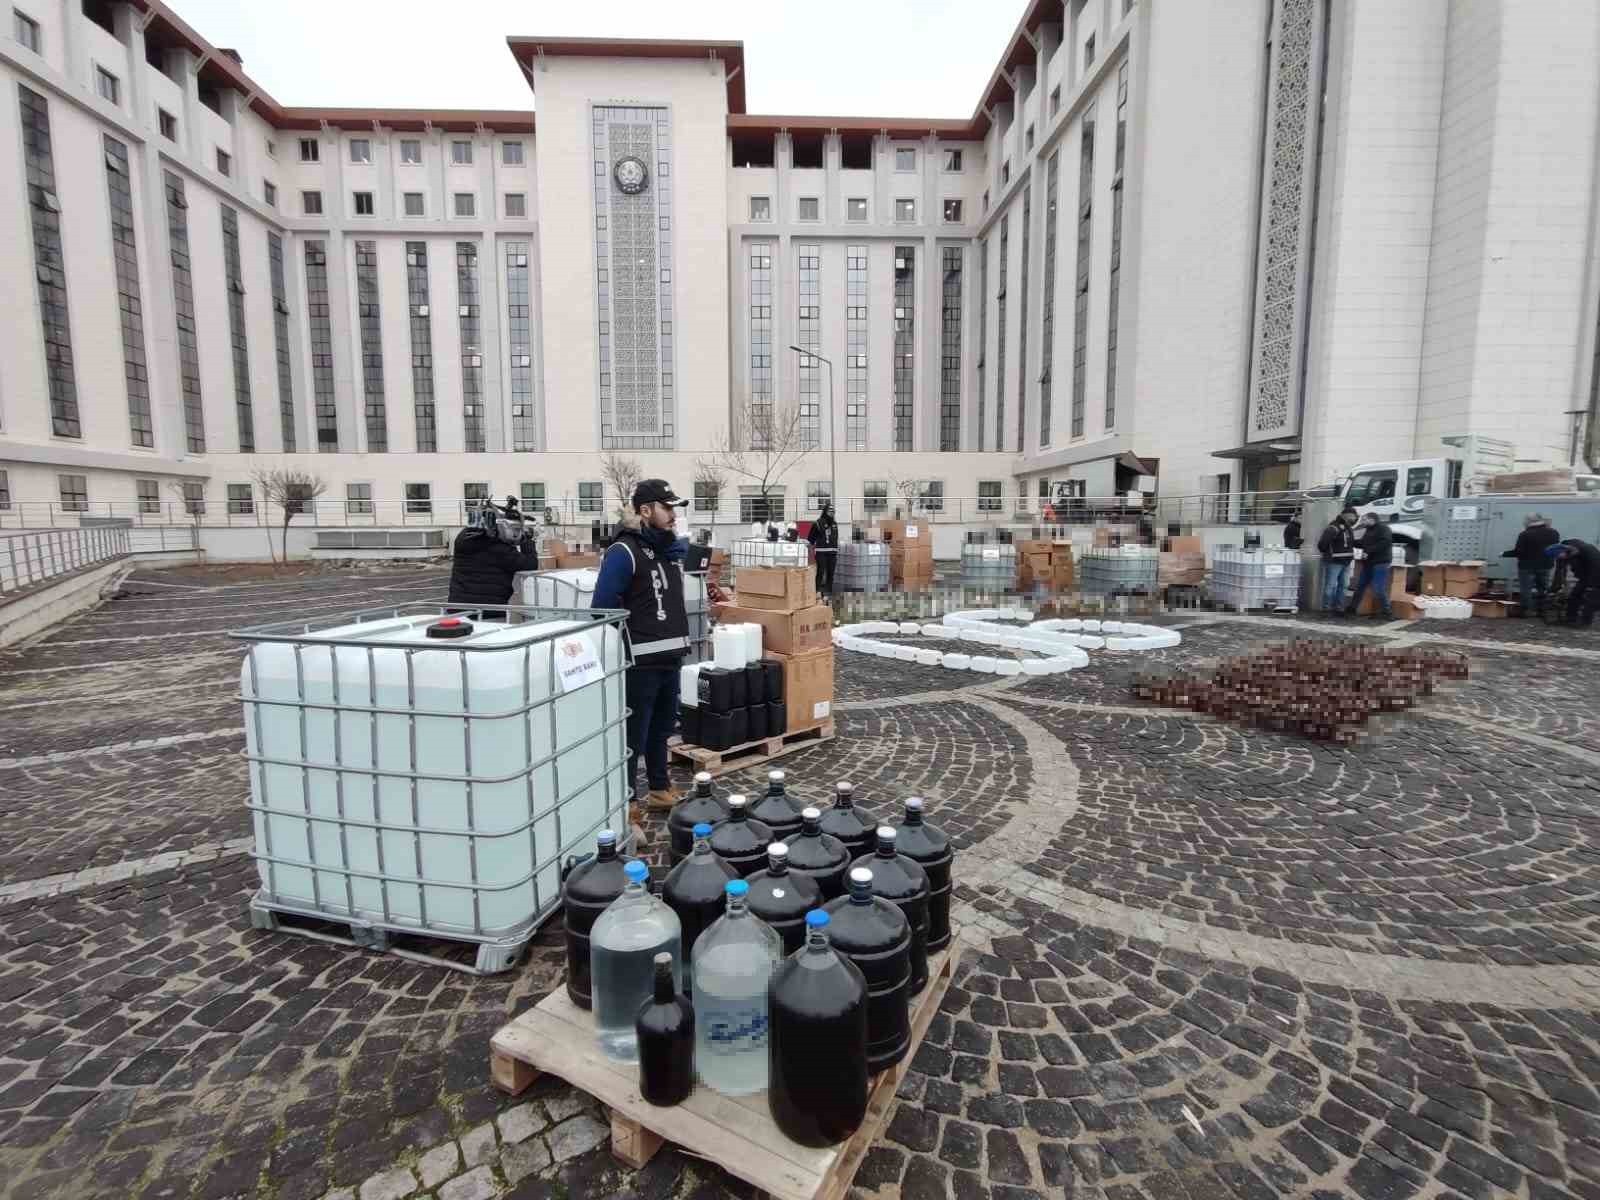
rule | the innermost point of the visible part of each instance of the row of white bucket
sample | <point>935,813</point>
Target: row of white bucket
<point>1445,608</point>
<point>1086,633</point>
<point>1059,641</point>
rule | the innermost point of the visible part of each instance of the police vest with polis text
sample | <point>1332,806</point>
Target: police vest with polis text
<point>658,626</point>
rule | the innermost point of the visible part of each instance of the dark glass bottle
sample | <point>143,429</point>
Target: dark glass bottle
<point>665,1027</point>
<point>782,898</point>
<point>817,1045</point>
<point>693,890</point>
<point>741,841</point>
<point>695,806</point>
<point>819,855</point>
<point>775,810</point>
<point>929,847</point>
<point>902,881</point>
<point>589,889</point>
<point>875,935</point>
<point>854,827</point>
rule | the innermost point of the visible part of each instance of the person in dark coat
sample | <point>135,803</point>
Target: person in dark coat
<point>824,538</point>
<point>1337,548</point>
<point>1292,538</point>
<point>1375,554</point>
<point>1533,564</point>
<point>1582,559</point>
<point>487,556</point>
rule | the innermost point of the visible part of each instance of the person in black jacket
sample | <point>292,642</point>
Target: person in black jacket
<point>1376,553</point>
<point>1337,548</point>
<point>1533,564</point>
<point>487,556</point>
<point>824,538</point>
<point>1582,559</point>
<point>1292,537</point>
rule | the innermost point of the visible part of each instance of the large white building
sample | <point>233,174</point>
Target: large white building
<point>1237,243</point>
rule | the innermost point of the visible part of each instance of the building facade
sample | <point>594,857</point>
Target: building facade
<point>1209,245</point>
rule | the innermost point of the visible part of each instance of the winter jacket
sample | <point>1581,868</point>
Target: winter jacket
<point>642,572</point>
<point>1336,544</point>
<point>482,566</point>
<point>1585,564</point>
<point>1531,545</point>
<point>1292,539</point>
<point>1377,545</point>
<point>824,534</point>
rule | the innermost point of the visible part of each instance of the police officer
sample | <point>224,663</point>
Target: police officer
<point>643,572</point>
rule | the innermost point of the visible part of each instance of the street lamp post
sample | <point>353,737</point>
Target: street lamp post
<point>833,466</point>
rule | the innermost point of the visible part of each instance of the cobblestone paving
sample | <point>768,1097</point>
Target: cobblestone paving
<point>1201,961</point>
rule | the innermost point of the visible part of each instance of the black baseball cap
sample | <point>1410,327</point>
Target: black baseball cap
<point>655,491</point>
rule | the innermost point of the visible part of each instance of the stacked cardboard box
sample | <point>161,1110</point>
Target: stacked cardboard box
<point>795,630</point>
<point>1399,598</point>
<point>910,550</point>
<point>1047,564</point>
<point>1459,579</point>
<point>554,554</point>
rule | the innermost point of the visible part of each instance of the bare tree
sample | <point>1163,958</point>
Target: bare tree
<point>191,493</point>
<point>710,478</point>
<point>762,443</point>
<point>909,490</point>
<point>622,475</point>
<point>293,491</point>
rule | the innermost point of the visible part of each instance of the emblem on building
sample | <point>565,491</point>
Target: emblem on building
<point>631,175</point>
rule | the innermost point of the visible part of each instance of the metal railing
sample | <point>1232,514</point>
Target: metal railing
<point>30,558</point>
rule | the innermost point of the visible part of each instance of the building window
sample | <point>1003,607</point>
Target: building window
<point>74,492</point>
<point>280,339</point>
<point>760,339</point>
<point>810,208</point>
<point>591,497</point>
<point>1022,326</point>
<point>311,203</point>
<point>410,150</point>
<point>990,495</point>
<point>516,204</point>
<point>950,353</point>
<point>369,316</point>
<point>148,494</point>
<point>412,204</point>
<point>224,163</point>
<point>1088,52</point>
<point>532,495</point>
<point>1027,138</point>
<point>471,322</point>
<point>855,347</point>
<point>855,209</point>
<point>363,204</point>
<point>905,210</point>
<point>421,346</point>
<point>125,258</point>
<point>241,500</point>
<point>211,98</point>
<point>1000,335</point>
<point>48,267</point>
<point>754,506</point>
<point>761,208</point>
<point>519,310</point>
<point>269,193</point>
<point>1047,326</point>
<point>318,319</point>
<point>194,421</point>
<point>952,161</point>
<point>511,154</point>
<point>461,152</point>
<point>474,496</point>
<point>818,493</point>
<point>310,150</point>
<point>466,204</point>
<point>707,495</point>
<point>107,86</point>
<point>361,150</point>
<point>358,499</point>
<point>905,158</point>
<point>905,359</point>
<point>27,30</point>
<point>1080,313</point>
<point>985,199</point>
<point>1055,100</point>
<point>931,497</point>
<point>168,123</point>
<point>875,496</point>
<point>194,497</point>
<point>419,497</point>
<point>983,332</point>
<point>1005,171</point>
<point>233,282</point>
<point>952,212</point>
<point>272,148</point>
<point>1114,283</point>
<point>809,337</point>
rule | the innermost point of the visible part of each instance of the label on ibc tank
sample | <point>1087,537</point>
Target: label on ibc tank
<point>874,548</point>
<point>1272,568</point>
<point>821,709</point>
<point>911,531</point>
<point>991,552</point>
<point>577,664</point>
<point>733,1028</point>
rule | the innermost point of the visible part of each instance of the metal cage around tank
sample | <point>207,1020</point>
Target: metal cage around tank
<point>365,813</point>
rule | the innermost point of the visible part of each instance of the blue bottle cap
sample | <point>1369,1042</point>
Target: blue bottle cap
<point>816,918</point>
<point>636,871</point>
<point>701,829</point>
<point>736,887</point>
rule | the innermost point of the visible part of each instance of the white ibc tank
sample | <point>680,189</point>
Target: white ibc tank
<point>421,782</point>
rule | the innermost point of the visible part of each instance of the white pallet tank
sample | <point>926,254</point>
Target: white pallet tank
<point>573,587</point>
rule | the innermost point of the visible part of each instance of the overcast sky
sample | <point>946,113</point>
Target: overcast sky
<point>879,58</point>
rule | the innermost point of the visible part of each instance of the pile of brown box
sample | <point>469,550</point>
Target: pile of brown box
<point>1458,579</point>
<point>910,550</point>
<point>795,630</point>
<point>1036,562</point>
<point>554,554</point>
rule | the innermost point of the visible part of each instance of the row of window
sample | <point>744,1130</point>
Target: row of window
<point>855,209</point>
<point>512,154</point>
<point>413,204</point>
<point>855,154</point>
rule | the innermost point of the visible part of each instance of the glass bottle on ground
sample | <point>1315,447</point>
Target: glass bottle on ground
<point>733,963</point>
<point>622,949</point>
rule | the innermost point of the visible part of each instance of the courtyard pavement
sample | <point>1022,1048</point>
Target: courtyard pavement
<point>1201,960</point>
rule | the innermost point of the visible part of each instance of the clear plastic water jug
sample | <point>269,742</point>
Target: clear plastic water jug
<point>622,950</point>
<point>733,963</point>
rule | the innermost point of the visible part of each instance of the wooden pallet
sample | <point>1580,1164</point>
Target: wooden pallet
<point>735,1132</point>
<point>750,754</point>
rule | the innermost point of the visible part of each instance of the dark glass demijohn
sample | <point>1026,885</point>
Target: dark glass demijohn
<point>665,1027</point>
<point>817,1087</point>
<point>875,935</point>
<point>741,841</point>
<point>589,889</point>
<point>782,899</point>
<point>903,882</point>
<point>821,856</point>
<point>928,846</point>
<point>693,890</point>
<point>852,826</point>
<point>775,810</point>
<point>698,805</point>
